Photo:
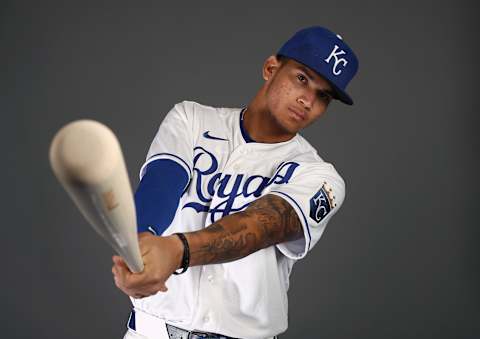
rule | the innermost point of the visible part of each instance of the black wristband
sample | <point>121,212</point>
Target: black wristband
<point>186,253</point>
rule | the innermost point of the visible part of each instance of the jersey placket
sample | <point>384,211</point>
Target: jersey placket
<point>210,294</point>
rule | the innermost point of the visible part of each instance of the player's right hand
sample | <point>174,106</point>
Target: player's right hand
<point>161,257</point>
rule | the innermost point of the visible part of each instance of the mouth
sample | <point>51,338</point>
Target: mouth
<point>298,114</point>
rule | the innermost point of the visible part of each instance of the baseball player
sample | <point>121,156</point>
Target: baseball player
<point>231,198</point>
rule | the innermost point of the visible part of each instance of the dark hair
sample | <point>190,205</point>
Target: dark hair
<point>283,59</point>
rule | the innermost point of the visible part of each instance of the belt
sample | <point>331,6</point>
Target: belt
<point>179,333</point>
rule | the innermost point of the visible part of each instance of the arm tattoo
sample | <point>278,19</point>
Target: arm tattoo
<point>268,220</point>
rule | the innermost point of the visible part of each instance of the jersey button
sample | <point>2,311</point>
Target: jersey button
<point>206,319</point>
<point>210,278</point>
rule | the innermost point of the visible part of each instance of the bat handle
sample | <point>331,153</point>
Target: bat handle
<point>136,266</point>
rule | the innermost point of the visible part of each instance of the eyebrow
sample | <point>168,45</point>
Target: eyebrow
<point>310,76</point>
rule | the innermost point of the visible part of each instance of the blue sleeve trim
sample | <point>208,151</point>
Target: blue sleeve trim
<point>131,321</point>
<point>245,134</point>
<point>301,211</point>
<point>158,195</point>
<point>176,157</point>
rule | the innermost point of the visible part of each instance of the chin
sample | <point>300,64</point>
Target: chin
<point>292,125</point>
<point>283,120</point>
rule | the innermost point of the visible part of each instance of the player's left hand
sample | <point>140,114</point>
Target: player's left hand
<point>161,257</point>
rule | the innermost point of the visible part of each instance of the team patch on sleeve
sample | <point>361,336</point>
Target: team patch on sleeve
<point>322,203</point>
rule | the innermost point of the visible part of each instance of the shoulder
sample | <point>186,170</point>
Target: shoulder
<point>204,118</point>
<point>305,152</point>
<point>198,109</point>
<point>312,163</point>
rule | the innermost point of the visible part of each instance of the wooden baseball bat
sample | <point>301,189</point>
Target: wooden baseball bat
<point>87,159</point>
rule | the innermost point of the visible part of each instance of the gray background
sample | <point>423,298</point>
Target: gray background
<point>400,260</point>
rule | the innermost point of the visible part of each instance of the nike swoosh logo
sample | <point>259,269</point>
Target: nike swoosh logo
<point>208,136</point>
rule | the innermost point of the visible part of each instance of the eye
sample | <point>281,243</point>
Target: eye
<point>324,96</point>
<point>302,78</point>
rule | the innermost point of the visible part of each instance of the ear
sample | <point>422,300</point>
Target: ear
<point>270,66</point>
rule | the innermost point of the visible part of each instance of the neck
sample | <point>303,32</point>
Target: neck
<point>261,125</point>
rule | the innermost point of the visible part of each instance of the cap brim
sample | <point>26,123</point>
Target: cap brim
<point>341,95</point>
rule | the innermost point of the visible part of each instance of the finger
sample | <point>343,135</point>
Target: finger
<point>118,279</point>
<point>125,279</point>
<point>116,273</point>
<point>119,267</point>
<point>117,260</point>
<point>118,283</point>
<point>114,267</point>
<point>128,279</point>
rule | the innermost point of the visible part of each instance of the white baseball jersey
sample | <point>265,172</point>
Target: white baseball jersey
<point>245,298</point>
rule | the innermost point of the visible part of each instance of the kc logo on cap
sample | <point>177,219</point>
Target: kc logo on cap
<point>335,54</point>
<point>325,53</point>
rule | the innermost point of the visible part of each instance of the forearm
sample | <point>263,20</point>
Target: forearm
<point>267,221</point>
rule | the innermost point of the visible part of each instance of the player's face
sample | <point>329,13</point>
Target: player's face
<point>295,95</point>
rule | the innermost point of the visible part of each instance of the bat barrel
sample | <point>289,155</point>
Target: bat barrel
<point>85,151</point>
<point>87,159</point>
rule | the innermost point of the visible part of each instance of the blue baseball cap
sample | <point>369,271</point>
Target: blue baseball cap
<point>327,54</point>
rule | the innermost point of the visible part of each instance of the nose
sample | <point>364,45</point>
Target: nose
<point>306,99</point>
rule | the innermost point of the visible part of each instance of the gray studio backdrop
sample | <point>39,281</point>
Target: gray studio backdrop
<point>401,258</point>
